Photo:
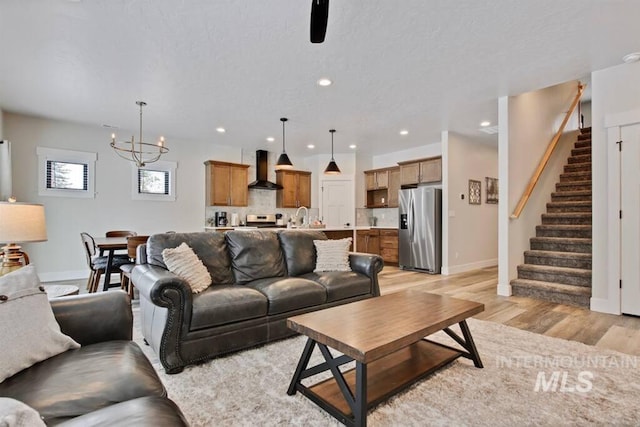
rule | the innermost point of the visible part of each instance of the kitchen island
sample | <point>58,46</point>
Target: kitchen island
<point>381,240</point>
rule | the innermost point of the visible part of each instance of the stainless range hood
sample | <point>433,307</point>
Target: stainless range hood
<point>262,169</point>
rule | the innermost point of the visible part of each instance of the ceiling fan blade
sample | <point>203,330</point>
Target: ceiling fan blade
<point>319,17</point>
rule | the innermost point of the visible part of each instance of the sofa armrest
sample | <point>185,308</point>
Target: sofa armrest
<point>369,265</point>
<point>93,318</point>
<point>162,287</point>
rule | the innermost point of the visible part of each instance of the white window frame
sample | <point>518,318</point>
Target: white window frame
<point>162,166</point>
<point>66,156</point>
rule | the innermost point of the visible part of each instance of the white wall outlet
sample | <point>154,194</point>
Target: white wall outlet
<point>452,214</point>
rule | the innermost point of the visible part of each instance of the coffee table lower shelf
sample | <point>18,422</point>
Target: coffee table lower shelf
<point>385,377</point>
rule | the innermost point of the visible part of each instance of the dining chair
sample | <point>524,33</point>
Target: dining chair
<point>132,245</point>
<point>97,264</point>
<point>120,233</point>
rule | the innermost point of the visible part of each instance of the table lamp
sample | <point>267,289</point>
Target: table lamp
<point>19,223</point>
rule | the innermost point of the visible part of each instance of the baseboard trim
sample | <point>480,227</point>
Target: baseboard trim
<point>462,268</point>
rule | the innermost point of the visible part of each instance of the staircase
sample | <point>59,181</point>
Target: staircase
<point>557,268</point>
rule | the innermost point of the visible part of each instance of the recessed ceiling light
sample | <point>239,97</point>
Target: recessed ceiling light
<point>631,57</point>
<point>311,146</point>
<point>485,123</point>
<point>221,130</point>
<point>270,139</point>
<point>353,146</point>
<point>404,132</point>
<point>324,82</point>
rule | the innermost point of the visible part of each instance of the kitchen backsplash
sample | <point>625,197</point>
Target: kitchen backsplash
<point>384,217</point>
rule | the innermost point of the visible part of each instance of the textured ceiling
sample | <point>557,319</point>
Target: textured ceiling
<point>420,65</point>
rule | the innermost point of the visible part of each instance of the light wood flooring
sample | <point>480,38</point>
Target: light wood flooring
<point>621,333</point>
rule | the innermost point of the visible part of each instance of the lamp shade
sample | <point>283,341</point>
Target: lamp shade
<point>22,222</point>
<point>332,168</point>
<point>284,162</point>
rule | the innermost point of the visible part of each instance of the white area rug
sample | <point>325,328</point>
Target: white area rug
<point>528,379</point>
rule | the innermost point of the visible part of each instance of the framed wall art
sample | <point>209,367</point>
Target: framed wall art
<point>492,190</point>
<point>475,192</point>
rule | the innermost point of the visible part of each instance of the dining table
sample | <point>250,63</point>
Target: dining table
<point>110,245</point>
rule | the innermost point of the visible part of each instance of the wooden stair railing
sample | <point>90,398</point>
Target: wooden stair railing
<point>547,155</point>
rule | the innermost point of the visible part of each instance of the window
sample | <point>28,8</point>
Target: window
<point>66,173</point>
<point>154,182</point>
<point>66,176</point>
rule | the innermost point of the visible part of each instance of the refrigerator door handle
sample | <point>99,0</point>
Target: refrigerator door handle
<point>412,220</point>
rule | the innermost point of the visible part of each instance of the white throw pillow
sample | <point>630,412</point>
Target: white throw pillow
<point>183,262</point>
<point>14,413</point>
<point>29,332</point>
<point>332,255</point>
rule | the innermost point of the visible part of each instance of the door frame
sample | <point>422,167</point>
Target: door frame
<point>613,125</point>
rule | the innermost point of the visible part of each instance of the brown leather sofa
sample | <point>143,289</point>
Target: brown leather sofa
<point>107,381</point>
<point>260,278</point>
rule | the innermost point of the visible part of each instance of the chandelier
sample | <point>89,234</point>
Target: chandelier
<point>139,152</point>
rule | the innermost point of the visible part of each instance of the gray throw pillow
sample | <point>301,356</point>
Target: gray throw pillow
<point>29,332</point>
<point>14,413</point>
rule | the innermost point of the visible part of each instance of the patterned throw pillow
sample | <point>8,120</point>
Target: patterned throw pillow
<point>29,332</point>
<point>332,255</point>
<point>183,262</point>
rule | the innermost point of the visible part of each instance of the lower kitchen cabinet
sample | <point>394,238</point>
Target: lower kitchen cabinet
<point>368,241</point>
<point>340,234</point>
<point>379,241</point>
<point>389,245</point>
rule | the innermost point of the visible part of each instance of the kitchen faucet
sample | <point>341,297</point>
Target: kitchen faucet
<point>305,219</point>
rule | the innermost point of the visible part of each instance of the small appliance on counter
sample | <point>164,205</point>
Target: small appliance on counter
<point>220,219</point>
<point>279,220</point>
<point>234,220</point>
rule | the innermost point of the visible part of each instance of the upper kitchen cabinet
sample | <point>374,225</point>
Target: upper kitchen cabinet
<point>421,171</point>
<point>296,189</point>
<point>226,183</point>
<point>382,187</point>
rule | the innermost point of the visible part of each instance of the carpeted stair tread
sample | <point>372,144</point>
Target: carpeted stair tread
<point>561,244</point>
<point>583,158</point>
<point>564,230</point>
<point>558,293</point>
<point>581,150</point>
<point>558,259</point>
<point>583,136</point>
<point>574,186</point>
<point>577,167</point>
<point>571,195</point>
<point>575,176</point>
<point>569,206</point>
<point>567,218</point>
<point>582,144</point>
<point>555,274</point>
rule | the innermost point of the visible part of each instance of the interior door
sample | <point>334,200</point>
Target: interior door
<point>630,222</point>
<point>337,202</point>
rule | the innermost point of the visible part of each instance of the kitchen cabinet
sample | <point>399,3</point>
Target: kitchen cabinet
<point>381,186</point>
<point>368,241</point>
<point>389,245</point>
<point>296,189</point>
<point>339,234</point>
<point>377,179</point>
<point>421,171</point>
<point>226,183</point>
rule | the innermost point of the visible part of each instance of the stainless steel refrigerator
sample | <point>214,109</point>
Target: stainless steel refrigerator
<point>420,230</point>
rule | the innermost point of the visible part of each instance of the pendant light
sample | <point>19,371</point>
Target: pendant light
<point>283,161</point>
<point>332,167</point>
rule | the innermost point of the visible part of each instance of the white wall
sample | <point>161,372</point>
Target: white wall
<point>615,98</point>
<point>62,257</point>
<point>471,230</point>
<point>533,119</point>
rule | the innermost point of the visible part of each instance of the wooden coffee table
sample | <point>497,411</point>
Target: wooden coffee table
<point>385,336</point>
